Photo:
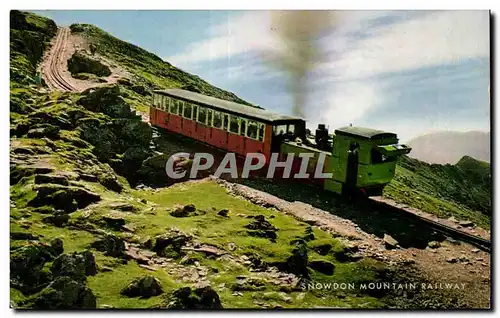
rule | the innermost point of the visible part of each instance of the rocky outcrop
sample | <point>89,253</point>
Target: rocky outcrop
<point>43,130</point>
<point>27,265</point>
<point>103,139</point>
<point>298,261</point>
<point>52,178</point>
<point>184,211</point>
<point>322,249</point>
<point>66,198</point>
<point>170,245</point>
<point>146,286</point>
<point>260,227</point>
<point>124,140</point>
<point>324,267</point>
<point>107,100</point>
<point>76,265</point>
<point>111,245</point>
<point>186,298</point>
<point>248,284</point>
<point>81,63</point>
<point>63,293</point>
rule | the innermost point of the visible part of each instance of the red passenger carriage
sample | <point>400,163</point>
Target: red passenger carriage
<point>226,125</point>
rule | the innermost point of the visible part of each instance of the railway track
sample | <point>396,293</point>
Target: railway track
<point>373,215</point>
<point>477,241</point>
<point>54,78</point>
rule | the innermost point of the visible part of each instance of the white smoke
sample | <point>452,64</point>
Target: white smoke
<point>299,32</point>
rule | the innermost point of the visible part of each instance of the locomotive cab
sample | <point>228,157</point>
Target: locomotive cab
<point>365,159</point>
<point>287,130</point>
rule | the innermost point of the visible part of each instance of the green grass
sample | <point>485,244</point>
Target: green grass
<point>107,286</point>
<point>217,230</point>
<point>211,229</point>
<point>462,190</point>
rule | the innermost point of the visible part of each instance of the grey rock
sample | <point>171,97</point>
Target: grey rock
<point>64,293</point>
<point>145,286</point>
<point>390,242</point>
<point>434,244</point>
<point>466,223</point>
<point>324,267</point>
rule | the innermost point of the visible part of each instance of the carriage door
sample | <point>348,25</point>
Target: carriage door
<point>352,166</point>
<point>278,136</point>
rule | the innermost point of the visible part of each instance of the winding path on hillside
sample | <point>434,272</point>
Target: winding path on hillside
<point>54,77</point>
<point>54,67</point>
<point>55,72</point>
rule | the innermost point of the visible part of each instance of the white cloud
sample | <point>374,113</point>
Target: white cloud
<point>241,34</point>
<point>247,69</point>
<point>433,39</point>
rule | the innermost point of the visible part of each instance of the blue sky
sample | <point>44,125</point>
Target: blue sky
<point>411,72</point>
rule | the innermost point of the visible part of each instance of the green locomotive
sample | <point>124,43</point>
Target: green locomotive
<point>359,159</point>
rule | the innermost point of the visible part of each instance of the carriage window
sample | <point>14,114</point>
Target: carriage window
<point>243,129</point>
<point>156,99</point>
<point>188,110</point>
<point>260,136</point>
<point>159,101</point>
<point>378,157</point>
<point>180,109</point>
<point>173,107</point>
<point>209,117</point>
<point>279,130</point>
<point>195,111</point>
<point>202,115</point>
<point>252,130</point>
<point>164,105</point>
<point>234,125</point>
<point>291,129</point>
<point>225,123</point>
<point>217,120</point>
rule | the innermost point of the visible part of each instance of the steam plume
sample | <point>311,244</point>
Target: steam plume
<point>298,31</point>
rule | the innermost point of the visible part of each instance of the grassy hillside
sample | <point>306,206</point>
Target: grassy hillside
<point>29,37</point>
<point>462,190</point>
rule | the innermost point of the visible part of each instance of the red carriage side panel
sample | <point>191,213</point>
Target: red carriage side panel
<point>201,132</point>
<point>235,144</point>
<point>187,127</point>
<point>253,146</point>
<point>174,123</point>
<point>219,138</point>
<point>161,118</point>
<point>152,115</point>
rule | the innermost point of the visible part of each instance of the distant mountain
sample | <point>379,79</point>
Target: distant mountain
<point>450,146</point>
<point>462,190</point>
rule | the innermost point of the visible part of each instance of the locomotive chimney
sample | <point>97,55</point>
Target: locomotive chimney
<point>321,137</point>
